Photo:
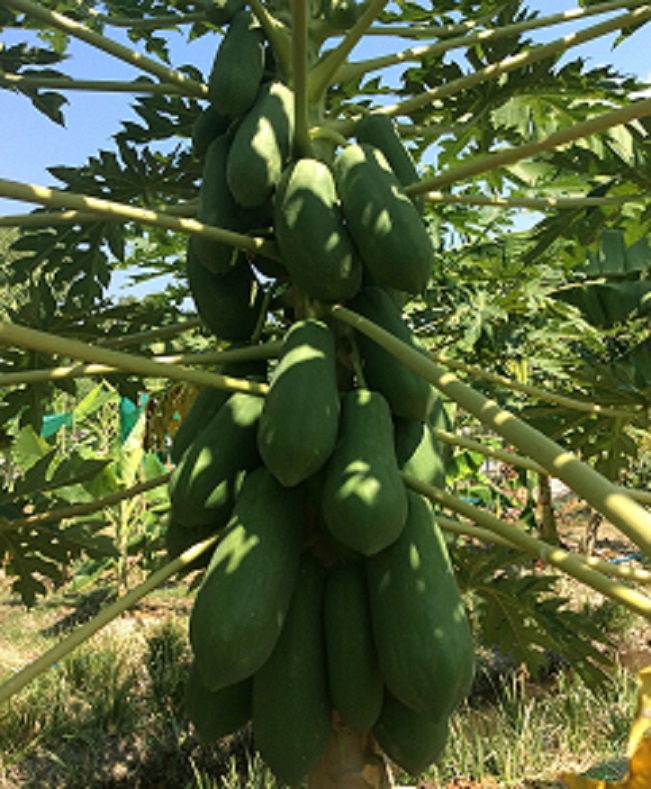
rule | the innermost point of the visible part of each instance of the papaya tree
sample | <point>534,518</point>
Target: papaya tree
<point>351,232</point>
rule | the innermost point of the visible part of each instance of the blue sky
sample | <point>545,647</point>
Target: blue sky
<point>30,142</point>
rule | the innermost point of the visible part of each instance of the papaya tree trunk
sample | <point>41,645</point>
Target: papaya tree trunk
<point>352,761</point>
<point>549,531</point>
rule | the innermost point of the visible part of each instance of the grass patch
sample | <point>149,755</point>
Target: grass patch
<point>527,734</point>
<point>111,715</point>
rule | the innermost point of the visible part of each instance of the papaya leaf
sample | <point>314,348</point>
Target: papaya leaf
<point>615,258</point>
<point>518,612</point>
<point>607,304</point>
<point>29,447</point>
<point>35,557</point>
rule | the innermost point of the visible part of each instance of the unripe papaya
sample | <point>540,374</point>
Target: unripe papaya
<point>380,131</point>
<point>208,125</point>
<point>221,12</point>
<point>422,634</point>
<point>409,395</point>
<point>383,222</point>
<point>209,401</point>
<point>419,452</point>
<point>300,416</point>
<point>238,66</point>
<point>229,304</point>
<point>364,501</point>
<point>412,741</point>
<point>356,687</point>
<point>218,713</point>
<point>261,146</point>
<point>314,242</point>
<point>178,539</point>
<point>242,603</point>
<point>291,708</point>
<point>342,14</point>
<point>217,207</point>
<point>204,485</point>
<point>440,418</point>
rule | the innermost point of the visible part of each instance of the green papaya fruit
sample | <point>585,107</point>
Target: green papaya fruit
<point>178,539</point>
<point>298,425</point>
<point>380,131</point>
<point>440,418</point>
<point>342,14</point>
<point>229,304</point>
<point>419,452</point>
<point>423,638</point>
<point>218,713</point>
<point>221,12</point>
<point>237,69</point>
<point>364,500</point>
<point>217,208</point>
<point>261,146</point>
<point>314,242</point>
<point>410,740</point>
<point>409,395</point>
<point>385,225</point>
<point>204,485</point>
<point>354,678</point>
<point>242,603</point>
<point>208,125</point>
<point>209,401</point>
<point>291,708</point>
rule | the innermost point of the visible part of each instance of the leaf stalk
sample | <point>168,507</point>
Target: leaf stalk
<point>624,513</point>
<point>79,510</point>
<point>97,40</point>
<point>55,198</point>
<point>534,391</point>
<point>13,334</point>
<point>569,563</point>
<point>526,58</point>
<point>61,650</point>
<point>358,69</point>
<point>494,161</point>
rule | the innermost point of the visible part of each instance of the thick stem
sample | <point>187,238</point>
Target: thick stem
<point>564,560</point>
<point>493,161</point>
<point>526,58</point>
<point>55,198</point>
<point>323,74</point>
<point>624,513</point>
<point>277,34</point>
<point>11,334</point>
<point>643,496</point>
<point>76,29</point>
<point>49,218</point>
<point>300,47</point>
<point>549,530</point>
<point>61,650</point>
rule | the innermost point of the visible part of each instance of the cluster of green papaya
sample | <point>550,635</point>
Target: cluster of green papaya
<point>330,591</point>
